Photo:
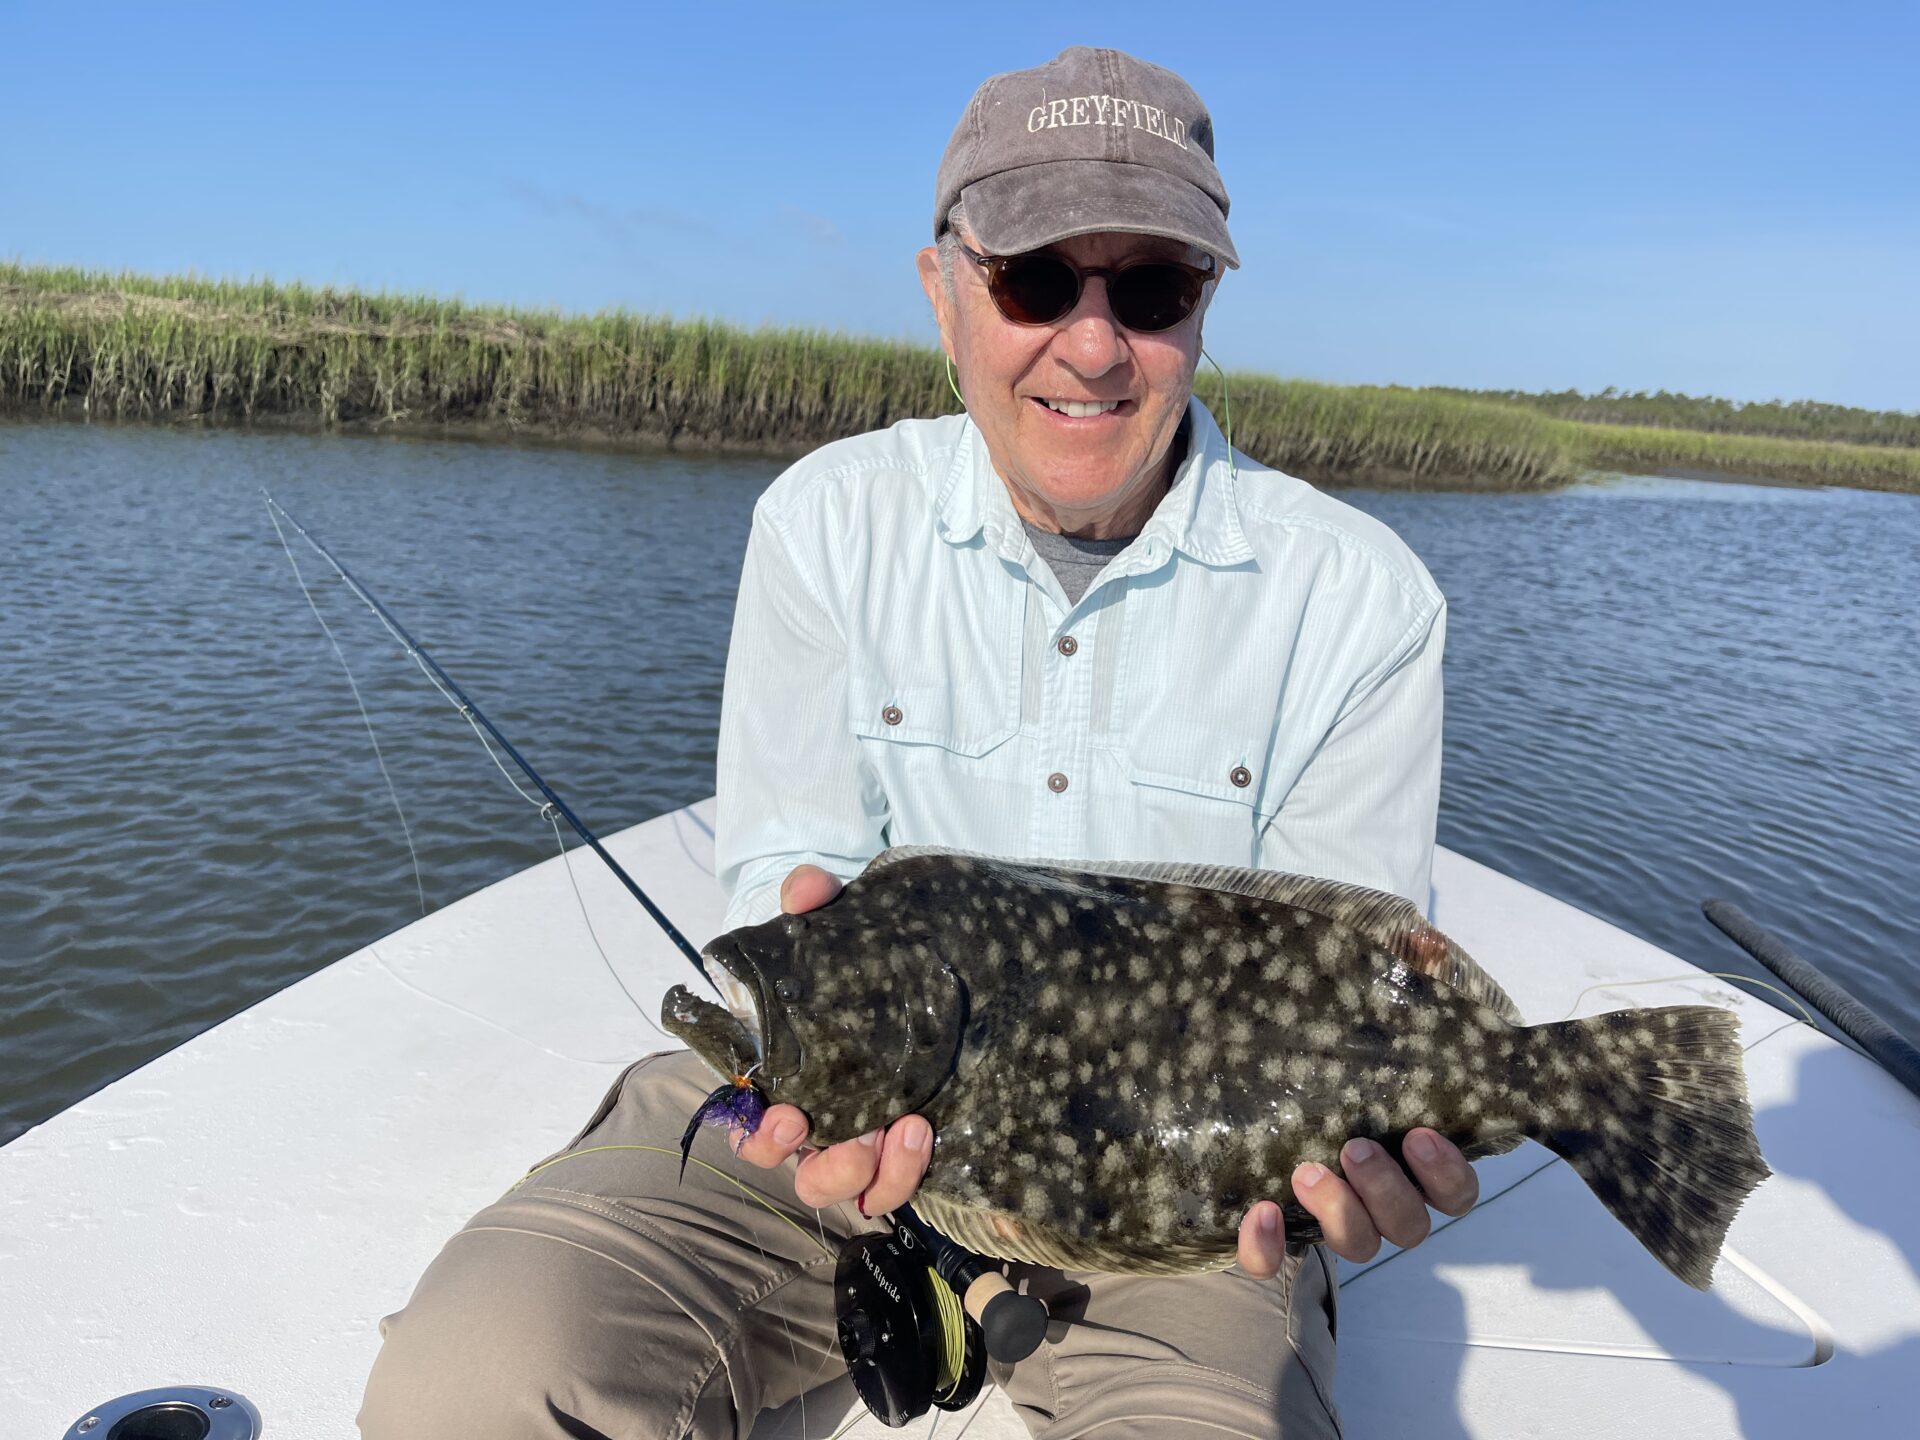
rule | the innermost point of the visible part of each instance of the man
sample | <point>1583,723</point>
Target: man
<point>1069,624</point>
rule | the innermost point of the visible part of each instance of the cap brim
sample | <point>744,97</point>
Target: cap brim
<point>1019,210</point>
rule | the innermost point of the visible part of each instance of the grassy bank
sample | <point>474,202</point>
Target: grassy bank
<point>187,351</point>
<point>1664,410</point>
<point>1640,448</point>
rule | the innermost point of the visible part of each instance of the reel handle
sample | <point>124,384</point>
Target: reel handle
<point>1012,1324</point>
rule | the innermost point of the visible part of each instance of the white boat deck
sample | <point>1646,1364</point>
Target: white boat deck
<point>242,1211</point>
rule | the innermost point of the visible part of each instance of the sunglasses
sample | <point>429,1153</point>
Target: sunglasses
<point>1041,287</point>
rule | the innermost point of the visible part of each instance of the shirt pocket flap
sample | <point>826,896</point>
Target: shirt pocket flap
<point>963,719</point>
<point>1203,761</point>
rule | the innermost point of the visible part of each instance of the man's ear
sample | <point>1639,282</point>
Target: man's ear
<point>935,284</point>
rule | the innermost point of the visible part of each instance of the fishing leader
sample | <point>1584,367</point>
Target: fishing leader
<point>1070,623</point>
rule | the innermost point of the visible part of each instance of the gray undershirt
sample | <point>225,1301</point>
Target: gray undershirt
<point>1075,562</point>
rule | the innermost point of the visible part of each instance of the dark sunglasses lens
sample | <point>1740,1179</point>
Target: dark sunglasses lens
<point>1151,297</point>
<point>1035,289</point>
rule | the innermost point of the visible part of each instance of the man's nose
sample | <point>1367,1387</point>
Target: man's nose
<point>1090,339</point>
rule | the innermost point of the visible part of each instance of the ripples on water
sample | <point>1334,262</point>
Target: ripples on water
<point>1657,691</point>
<point>190,813</point>
<point>1663,690</point>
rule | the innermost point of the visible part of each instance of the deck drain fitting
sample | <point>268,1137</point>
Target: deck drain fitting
<point>172,1412</point>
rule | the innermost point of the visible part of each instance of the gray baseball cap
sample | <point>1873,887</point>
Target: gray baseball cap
<point>1092,140</point>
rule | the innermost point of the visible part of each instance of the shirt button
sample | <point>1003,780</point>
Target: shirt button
<point>1056,782</point>
<point>892,715</point>
<point>1068,645</point>
<point>1241,777</point>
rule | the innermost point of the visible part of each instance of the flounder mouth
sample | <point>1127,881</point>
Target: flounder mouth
<point>714,1033</point>
<point>742,989</point>
<point>754,1020</point>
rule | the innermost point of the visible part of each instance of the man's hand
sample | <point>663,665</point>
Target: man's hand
<point>1375,1201</point>
<point>882,1168</point>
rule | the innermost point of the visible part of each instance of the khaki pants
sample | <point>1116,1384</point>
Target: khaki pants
<point>606,1298</point>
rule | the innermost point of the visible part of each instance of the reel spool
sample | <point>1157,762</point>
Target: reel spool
<point>907,1343</point>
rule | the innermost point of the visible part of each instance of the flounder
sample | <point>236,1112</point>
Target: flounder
<point>1118,1059</point>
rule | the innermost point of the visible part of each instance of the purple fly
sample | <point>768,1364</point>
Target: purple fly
<point>738,1104</point>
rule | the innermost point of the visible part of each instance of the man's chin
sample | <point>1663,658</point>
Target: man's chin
<point>1086,475</point>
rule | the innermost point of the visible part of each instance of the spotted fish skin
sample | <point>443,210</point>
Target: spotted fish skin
<point>1118,1064</point>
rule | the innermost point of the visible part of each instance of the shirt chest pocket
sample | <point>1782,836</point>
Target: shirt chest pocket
<point>1204,763</point>
<point>955,718</point>
<point>1202,790</point>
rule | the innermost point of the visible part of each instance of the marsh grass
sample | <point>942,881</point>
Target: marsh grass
<point>184,350</point>
<point>129,347</point>
<point>1641,448</point>
<point>1666,410</point>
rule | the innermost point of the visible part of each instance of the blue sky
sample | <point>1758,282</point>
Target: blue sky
<point>1704,197</point>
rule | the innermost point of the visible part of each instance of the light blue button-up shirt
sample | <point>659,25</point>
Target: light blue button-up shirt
<point>1254,680</point>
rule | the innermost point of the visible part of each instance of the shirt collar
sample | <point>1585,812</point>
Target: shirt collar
<point>1199,515</point>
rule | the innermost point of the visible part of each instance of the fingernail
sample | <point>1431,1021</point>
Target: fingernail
<point>1359,1152</point>
<point>1269,1219</point>
<point>1308,1175</point>
<point>870,1139</point>
<point>789,1131</point>
<point>916,1138</point>
<point>1421,1146</point>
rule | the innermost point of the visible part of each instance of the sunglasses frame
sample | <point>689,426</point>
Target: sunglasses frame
<point>996,265</point>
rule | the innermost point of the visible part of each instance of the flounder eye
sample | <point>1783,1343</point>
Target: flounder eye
<point>788,987</point>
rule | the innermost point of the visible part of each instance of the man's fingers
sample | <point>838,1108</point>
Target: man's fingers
<point>1263,1241</point>
<point>1397,1209</point>
<point>1451,1184</point>
<point>881,1169</point>
<point>782,1130</point>
<point>1343,1219</point>
<point>905,1149</point>
<point>807,887</point>
<point>839,1172</point>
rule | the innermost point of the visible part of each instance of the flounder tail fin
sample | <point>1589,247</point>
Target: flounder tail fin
<point>1655,1119</point>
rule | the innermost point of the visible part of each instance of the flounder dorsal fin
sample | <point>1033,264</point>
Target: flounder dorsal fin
<point>1392,922</point>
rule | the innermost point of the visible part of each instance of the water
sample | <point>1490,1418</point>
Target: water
<point>1657,691</point>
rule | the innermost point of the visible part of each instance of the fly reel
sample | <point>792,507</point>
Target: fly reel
<point>909,1339</point>
<point>907,1343</point>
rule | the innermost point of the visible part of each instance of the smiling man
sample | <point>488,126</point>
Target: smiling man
<point>1071,623</point>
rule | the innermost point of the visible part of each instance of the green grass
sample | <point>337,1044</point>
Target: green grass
<point>1664,410</point>
<point>1376,435</point>
<point>1640,448</point>
<point>183,350</point>
<point>129,347</point>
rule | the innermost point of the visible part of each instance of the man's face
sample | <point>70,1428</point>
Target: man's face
<point>1097,474</point>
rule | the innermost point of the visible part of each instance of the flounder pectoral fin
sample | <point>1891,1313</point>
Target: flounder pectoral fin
<point>1391,922</point>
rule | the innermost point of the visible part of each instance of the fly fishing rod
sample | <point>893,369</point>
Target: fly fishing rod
<point>472,713</point>
<point>918,1315</point>
<point>1876,1039</point>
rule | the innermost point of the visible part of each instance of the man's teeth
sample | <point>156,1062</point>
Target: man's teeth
<point>1080,409</point>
